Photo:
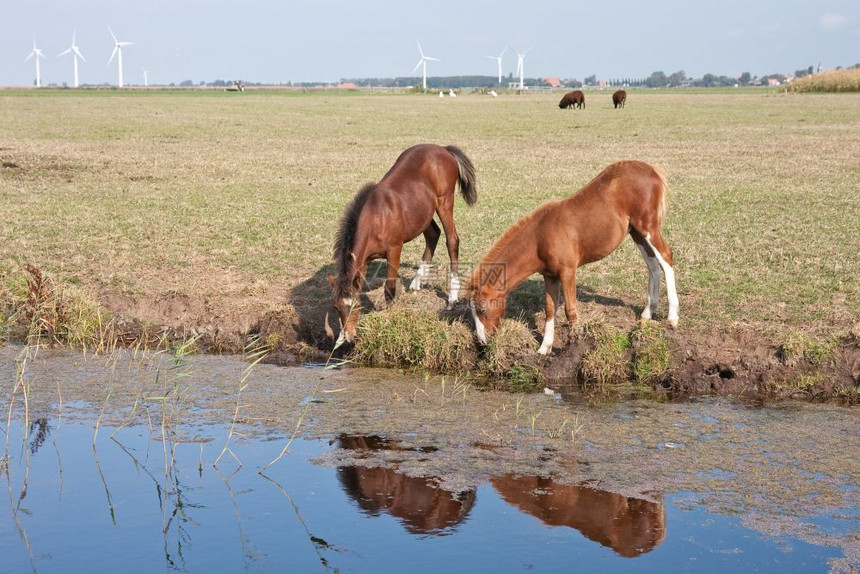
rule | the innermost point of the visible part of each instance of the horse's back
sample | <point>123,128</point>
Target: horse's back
<point>422,161</point>
<point>421,175</point>
<point>595,219</point>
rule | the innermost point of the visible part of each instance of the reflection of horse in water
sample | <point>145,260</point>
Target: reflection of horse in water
<point>420,506</point>
<point>629,526</point>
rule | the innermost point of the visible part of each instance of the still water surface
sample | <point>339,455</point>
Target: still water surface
<point>114,508</point>
<point>100,473</point>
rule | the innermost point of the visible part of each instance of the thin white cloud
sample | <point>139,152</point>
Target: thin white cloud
<point>830,21</point>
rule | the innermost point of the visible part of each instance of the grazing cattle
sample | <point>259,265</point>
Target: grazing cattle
<point>421,506</point>
<point>384,216</point>
<point>629,526</point>
<point>618,98</point>
<point>558,237</point>
<point>574,99</point>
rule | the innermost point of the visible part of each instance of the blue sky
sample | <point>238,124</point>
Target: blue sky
<point>327,40</point>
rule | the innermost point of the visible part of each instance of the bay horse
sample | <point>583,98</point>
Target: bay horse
<point>558,237</point>
<point>400,207</point>
<point>619,97</point>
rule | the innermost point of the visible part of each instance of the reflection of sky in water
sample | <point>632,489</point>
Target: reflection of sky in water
<point>116,509</point>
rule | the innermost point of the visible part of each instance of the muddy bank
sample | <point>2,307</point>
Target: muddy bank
<point>736,361</point>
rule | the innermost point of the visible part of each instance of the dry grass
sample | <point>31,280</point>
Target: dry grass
<point>216,194</point>
<point>847,80</point>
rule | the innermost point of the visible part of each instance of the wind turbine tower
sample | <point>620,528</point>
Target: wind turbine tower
<point>36,53</point>
<point>145,77</point>
<point>423,63</point>
<point>76,53</point>
<point>520,67</point>
<point>499,60</point>
<point>117,51</point>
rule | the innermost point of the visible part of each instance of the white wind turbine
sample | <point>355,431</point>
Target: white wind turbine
<point>145,77</point>
<point>499,60</point>
<point>423,62</point>
<point>76,53</point>
<point>117,51</point>
<point>36,53</point>
<point>520,66</point>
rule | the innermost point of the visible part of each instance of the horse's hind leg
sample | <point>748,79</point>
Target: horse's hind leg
<point>653,243</point>
<point>393,257</point>
<point>651,302</point>
<point>452,241</point>
<point>431,238</point>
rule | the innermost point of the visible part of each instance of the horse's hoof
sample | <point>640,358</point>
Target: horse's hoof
<point>673,323</point>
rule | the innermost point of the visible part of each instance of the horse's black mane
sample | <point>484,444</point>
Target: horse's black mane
<point>345,238</point>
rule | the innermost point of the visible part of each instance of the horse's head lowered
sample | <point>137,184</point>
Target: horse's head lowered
<point>348,310</point>
<point>487,312</point>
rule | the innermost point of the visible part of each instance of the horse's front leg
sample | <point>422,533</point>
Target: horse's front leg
<point>393,257</point>
<point>552,285</point>
<point>568,285</point>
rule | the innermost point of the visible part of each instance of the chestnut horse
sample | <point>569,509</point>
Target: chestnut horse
<point>618,98</point>
<point>626,197</point>
<point>384,216</point>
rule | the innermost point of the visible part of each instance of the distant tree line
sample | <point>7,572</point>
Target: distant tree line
<point>657,79</point>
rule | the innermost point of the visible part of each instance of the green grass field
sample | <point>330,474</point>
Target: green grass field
<point>204,193</point>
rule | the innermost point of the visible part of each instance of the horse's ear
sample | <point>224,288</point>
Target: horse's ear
<point>332,280</point>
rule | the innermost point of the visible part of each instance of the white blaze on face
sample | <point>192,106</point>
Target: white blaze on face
<point>479,327</point>
<point>344,335</point>
<point>341,338</point>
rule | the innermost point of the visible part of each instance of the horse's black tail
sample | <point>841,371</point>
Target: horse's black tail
<point>467,175</point>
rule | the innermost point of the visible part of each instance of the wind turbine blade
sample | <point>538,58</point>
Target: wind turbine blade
<point>30,55</point>
<point>64,52</point>
<point>124,44</point>
<point>112,54</point>
<point>503,51</point>
<point>112,35</point>
<point>78,53</point>
<point>420,51</point>
<point>418,65</point>
<point>433,59</point>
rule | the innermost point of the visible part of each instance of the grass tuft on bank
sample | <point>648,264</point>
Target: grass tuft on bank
<point>415,339</point>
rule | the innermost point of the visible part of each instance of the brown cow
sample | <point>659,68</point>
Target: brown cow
<point>618,98</point>
<point>574,99</point>
<point>421,506</point>
<point>629,526</point>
